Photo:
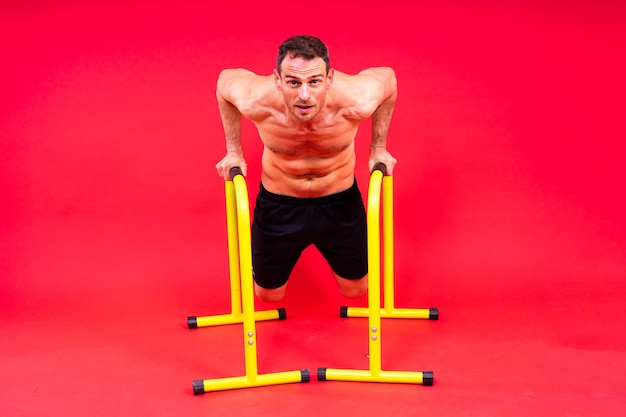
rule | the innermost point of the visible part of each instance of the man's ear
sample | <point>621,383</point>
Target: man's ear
<point>329,78</point>
<point>277,80</point>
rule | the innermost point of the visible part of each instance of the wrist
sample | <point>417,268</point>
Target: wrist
<point>378,147</point>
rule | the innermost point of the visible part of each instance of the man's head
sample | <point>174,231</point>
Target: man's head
<point>303,46</point>
<point>303,75</point>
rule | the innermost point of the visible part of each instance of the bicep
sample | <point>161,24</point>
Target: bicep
<point>231,83</point>
<point>381,83</point>
<point>244,91</point>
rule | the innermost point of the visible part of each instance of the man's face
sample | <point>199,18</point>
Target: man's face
<point>304,84</point>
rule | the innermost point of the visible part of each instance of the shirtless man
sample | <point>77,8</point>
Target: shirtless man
<point>307,115</point>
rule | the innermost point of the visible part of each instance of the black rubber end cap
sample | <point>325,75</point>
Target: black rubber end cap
<point>192,322</point>
<point>305,375</point>
<point>282,314</point>
<point>234,171</point>
<point>433,314</point>
<point>343,312</point>
<point>381,167</point>
<point>321,374</point>
<point>428,378</point>
<point>198,387</point>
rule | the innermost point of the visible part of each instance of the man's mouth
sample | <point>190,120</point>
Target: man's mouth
<point>303,108</point>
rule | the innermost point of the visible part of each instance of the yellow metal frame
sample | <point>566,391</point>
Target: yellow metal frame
<point>374,312</point>
<point>234,262</point>
<point>389,309</point>
<point>242,299</point>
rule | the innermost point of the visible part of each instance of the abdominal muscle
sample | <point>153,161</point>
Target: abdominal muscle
<point>306,175</point>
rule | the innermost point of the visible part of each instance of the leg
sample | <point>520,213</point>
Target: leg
<point>342,240</point>
<point>351,288</point>
<point>273,295</point>
<point>276,244</point>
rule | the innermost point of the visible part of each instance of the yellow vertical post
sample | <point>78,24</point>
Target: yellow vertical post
<point>373,259</point>
<point>233,248</point>
<point>245,269</point>
<point>388,238</point>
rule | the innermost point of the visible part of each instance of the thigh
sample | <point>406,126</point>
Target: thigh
<point>342,237</point>
<point>277,242</point>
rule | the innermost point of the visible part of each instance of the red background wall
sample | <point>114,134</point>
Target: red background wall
<point>509,131</point>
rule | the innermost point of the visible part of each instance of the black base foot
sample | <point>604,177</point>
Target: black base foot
<point>198,387</point>
<point>428,378</point>
<point>305,375</point>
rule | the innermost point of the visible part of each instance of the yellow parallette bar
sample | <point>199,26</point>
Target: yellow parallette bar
<point>238,382</point>
<point>396,313</point>
<point>226,319</point>
<point>392,377</point>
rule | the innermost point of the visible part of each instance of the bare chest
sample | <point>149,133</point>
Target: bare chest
<point>298,141</point>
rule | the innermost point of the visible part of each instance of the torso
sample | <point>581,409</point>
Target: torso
<point>307,160</point>
<point>306,163</point>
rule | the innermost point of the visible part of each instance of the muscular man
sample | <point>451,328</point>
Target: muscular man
<point>307,115</point>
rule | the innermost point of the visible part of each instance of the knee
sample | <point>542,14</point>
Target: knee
<point>353,288</point>
<point>269,295</point>
<point>353,292</point>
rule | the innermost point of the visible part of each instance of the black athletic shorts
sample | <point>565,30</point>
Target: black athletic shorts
<point>284,226</point>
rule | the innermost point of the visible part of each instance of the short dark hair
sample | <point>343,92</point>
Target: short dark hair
<point>303,46</point>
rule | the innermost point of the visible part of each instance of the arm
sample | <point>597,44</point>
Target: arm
<point>231,121</point>
<point>386,90</point>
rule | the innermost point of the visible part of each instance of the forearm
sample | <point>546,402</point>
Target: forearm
<point>231,122</point>
<point>381,122</point>
<point>381,118</point>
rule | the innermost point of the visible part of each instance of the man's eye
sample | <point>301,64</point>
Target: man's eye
<point>293,83</point>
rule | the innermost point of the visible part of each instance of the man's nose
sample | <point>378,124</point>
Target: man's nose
<point>303,94</point>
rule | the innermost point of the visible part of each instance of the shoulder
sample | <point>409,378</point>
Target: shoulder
<point>382,74</point>
<point>251,93</point>
<point>380,82</point>
<point>366,90</point>
<point>370,79</point>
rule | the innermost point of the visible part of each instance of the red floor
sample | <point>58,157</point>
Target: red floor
<point>509,132</point>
